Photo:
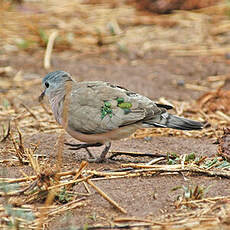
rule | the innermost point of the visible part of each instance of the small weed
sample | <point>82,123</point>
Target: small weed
<point>175,159</point>
<point>190,157</point>
<point>85,227</point>
<point>68,216</point>
<point>7,188</point>
<point>5,132</point>
<point>210,163</point>
<point>224,164</point>
<point>64,197</point>
<point>93,217</point>
<point>122,48</point>
<point>5,103</point>
<point>111,28</point>
<point>24,44</point>
<point>17,216</point>
<point>43,36</point>
<point>190,193</point>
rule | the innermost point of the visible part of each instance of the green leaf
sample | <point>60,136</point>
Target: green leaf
<point>172,155</point>
<point>85,227</point>
<point>5,103</point>
<point>43,35</point>
<point>189,157</point>
<point>211,163</point>
<point>225,164</point>
<point>171,162</point>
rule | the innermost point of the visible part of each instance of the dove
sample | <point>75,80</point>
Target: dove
<point>98,112</point>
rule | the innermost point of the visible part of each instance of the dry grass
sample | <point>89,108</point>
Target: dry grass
<point>90,29</point>
<point>54,187</point>
<point>115,26</point>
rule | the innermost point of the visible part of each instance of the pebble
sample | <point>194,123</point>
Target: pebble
<point>180,82</point>
<point>148,138</point>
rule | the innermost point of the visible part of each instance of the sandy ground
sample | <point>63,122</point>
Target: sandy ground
<point>156,75</point>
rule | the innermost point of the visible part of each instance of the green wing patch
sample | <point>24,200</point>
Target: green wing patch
<point>106,108</point>
<point>125,105</point>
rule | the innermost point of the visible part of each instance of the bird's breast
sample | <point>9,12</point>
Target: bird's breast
<point>56,103</point>
<point>115,134</point>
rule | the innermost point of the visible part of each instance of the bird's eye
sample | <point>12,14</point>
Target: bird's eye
<point>47,85</point>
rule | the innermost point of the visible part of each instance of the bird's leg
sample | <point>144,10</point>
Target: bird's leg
<point>84,146</point>
<point>105,150</point>
<point>89,153</point>
<point>103,154</point>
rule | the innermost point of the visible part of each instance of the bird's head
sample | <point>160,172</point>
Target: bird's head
<point>54,82</point>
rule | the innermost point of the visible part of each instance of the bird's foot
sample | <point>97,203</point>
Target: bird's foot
<point>92,159</point>
<point>100,160</point>
<point>103,154</point>
<point>96,160</point>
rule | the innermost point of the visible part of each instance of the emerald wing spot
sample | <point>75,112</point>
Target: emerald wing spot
<point>124,105</point>
<point>106,110</point>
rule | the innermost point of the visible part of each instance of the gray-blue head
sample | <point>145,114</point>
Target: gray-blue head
<point>53,82</point>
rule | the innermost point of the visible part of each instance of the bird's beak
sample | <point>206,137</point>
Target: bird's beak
<point>42,96</point>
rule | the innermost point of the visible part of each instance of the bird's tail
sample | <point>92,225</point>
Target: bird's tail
<point>167,120</point>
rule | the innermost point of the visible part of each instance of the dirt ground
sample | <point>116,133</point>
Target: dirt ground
<point>153,76</point>
<point>156,74</point>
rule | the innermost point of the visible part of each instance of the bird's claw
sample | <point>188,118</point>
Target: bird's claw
<point>100,160</point>
<point>96,160</point>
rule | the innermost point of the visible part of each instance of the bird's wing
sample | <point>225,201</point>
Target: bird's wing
<point>97,107</point>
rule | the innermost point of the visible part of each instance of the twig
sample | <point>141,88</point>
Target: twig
<point>114,203</point>
<point>70,205</point>
<point>154,161</point>
<point>135,154</point>
<point>134,219</point>
<point>28,109</point>
<point>23,179</point>
<point>18,147</point>
<point>142,168</point>
<point>45,109</point>
<point>6,69</point>
<point>197,87</point>
<point>218,78</point>
<point>70,182</point>
<point>223,115</point>
<point>48,202</point>
<point>65,124</point>
<point>19,192</point>
<point>86,187</point>
<point>207,199</point>
<point>49,49</point>
<point>116,227</point>
<point>83,165</point>
<point>7,134</point>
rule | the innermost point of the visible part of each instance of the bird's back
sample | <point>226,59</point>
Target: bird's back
<point>98,107</point>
